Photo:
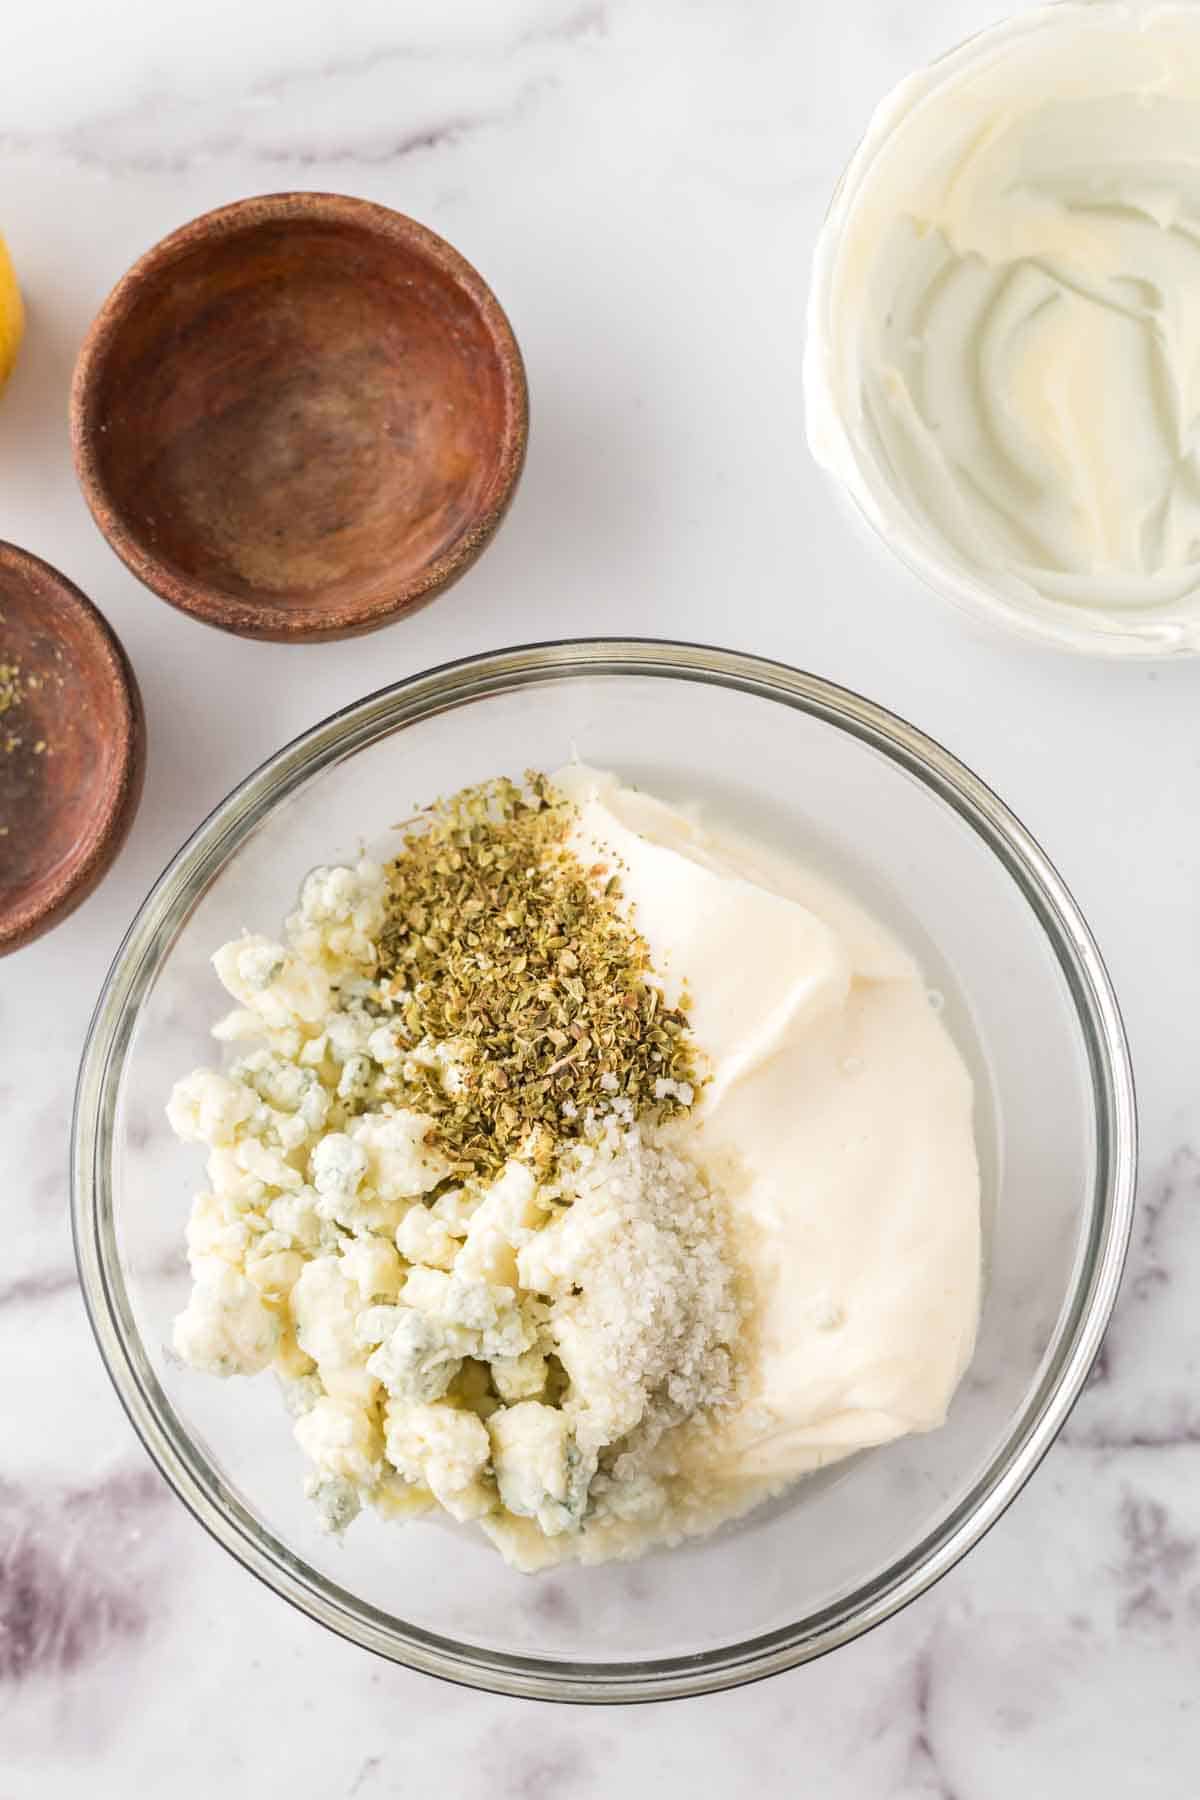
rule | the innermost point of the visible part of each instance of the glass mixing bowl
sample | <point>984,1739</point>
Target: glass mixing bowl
<point>827,777</point>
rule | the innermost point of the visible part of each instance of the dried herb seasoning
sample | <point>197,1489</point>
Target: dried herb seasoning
<point>499,943</point>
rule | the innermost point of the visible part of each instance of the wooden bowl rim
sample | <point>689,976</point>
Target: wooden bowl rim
<point>97,848</point>
<point>268,618</point>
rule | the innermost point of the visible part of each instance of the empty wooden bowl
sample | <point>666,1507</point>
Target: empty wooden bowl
<point>300,416</point>
<point>72,747</point>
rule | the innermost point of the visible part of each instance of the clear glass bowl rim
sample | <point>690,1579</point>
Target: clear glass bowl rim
<point>405,703</point>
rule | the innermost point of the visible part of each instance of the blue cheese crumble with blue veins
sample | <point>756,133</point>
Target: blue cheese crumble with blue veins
<point>693,1214</point>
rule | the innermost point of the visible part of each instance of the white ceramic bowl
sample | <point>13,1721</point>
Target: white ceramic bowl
<point>926,122</point>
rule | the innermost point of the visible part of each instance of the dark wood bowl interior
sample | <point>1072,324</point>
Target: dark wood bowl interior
<point>300,416</point>
<point>72,747</point>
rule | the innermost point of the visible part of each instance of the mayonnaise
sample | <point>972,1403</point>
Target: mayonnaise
<point>838,1121</point>
<point>1005,336</point>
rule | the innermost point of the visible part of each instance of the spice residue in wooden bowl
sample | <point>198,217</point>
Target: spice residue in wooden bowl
<point>71,746</point>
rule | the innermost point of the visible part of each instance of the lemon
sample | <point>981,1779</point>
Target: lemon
<point>12,314</point>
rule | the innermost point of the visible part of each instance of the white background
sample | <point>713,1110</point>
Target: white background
<point>641,183</point>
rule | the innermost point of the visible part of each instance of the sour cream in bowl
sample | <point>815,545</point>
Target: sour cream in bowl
<point>1003,362</point>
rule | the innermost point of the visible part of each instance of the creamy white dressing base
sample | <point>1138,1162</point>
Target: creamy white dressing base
<point>838,1121</point>
<point>1009,337</point>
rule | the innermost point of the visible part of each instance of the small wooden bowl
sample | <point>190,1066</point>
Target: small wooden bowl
<point>72,747</point>
<point>299,417</point>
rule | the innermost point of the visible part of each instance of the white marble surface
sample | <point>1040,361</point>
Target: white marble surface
<point>641,183</point>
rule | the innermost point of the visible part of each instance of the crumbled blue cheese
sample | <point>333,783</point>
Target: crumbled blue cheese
<point>417,1358</point>
<point>342,1439</point>
<point>348,1035</point>
<point>274,1272</point>
<point>226,1327</point>
<point>218,1231</point>
<point>229,1179</point>
<point>446,1061</point>
<point>207,1108</point>
<point>539,1470</point>
<point>340,915</point>
<point>283,989</point>
<point>357,1080</point>
<point>286,1086</point>
<point>520,1377</point>
<point>373,1266</point>
<point>296,1217</point>
<point>337,1501</point>
<point>267,1165</point>
<point>505,1218</point>
<point>456,1208</point>
<point>400,1163</point>
<point>300,1393</point>
<point>445,1449</point>
<point>336,1168</point>
<point>422,1237</point>
<point>421,1327</point>
<point>325,1305</point>
<point>491,1314</point>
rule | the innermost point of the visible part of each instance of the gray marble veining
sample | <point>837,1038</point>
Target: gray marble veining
<point>641,184</point>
